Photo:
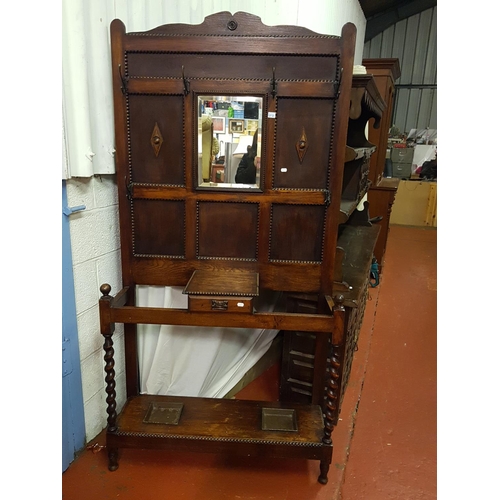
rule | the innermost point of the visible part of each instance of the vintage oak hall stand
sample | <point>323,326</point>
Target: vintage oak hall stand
<point>294,232</point>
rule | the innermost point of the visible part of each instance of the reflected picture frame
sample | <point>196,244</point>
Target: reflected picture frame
<point>252,126</point>
<point>219,123</point>
<point>236,126</point>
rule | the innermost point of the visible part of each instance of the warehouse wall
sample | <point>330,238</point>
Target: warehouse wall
<point>414,42</point>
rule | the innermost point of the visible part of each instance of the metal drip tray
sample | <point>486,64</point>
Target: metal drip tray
<point>279,419</point>
<point>163,413</point>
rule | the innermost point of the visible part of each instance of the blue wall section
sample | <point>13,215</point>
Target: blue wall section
<point>73,422</point>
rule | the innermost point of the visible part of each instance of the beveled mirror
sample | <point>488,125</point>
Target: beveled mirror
<point>229,132</point>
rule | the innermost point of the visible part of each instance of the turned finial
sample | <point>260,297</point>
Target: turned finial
<point>105,289</point>
<point>338,300</point>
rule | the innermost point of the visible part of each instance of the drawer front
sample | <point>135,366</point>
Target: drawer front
<point>402,155</point>
<point>401,170</point>
<point>220,304</point>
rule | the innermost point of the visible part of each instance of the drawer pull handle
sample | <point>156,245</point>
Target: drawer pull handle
<point>219,305</point>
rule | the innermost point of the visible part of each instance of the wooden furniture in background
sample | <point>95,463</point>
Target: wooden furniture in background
<point>230,246</point>
<point>381,198</point>
<point>385,73</point>
<point>382,192</point>
<point>306,355</point>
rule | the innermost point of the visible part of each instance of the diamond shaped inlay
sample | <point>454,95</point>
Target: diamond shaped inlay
<point>156,139</point>
<point>301,145</point>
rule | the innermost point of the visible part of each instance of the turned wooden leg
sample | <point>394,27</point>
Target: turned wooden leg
<point>112,459</point>
<point>332,395</point>
<point>111,399</point>
<point>107,330</point>
<point>110,382</point>
<point>324,467</point>
<point>333,372</point>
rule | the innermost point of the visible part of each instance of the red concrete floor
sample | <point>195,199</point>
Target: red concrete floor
<point>393,450</point>
<point>384,445</point>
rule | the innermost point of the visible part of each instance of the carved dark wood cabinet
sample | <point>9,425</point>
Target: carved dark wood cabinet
<point>382,192</point>
<point>228,243</point>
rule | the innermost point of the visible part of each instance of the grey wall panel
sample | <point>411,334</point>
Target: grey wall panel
<point>401,108</point>
<point>413,110</point>
<point>424,34</point>
<point>399,43</point>
<point>414,42</point>
<point>410,46</point>
<point>375,45</point>
<point>430,74</point>
<point>387,40</point>
<point>426,104</point>
<point>433,118</point>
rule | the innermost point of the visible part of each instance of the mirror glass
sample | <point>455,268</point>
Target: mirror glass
<point>229,141</point>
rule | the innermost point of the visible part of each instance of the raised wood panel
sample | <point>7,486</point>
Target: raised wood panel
<point>310,121</point>
<point>227,230</point>
<point>297,233</point>
<point>214,66</point>
<point>158,228</point>
<point>156,139</point>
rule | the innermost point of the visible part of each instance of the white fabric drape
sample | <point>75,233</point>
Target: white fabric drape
<point>192,360</point>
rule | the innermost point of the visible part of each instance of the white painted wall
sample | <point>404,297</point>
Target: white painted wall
<point>94,232</point>
<point>95,247</point>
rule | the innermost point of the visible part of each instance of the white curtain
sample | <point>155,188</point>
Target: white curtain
<point>192,360</point>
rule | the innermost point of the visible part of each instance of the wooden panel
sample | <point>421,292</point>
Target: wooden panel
<point>297,233</point>
<point>219,304</point>
<point>169,65</point>
<point>227,230</point>
<point>308,120</point>
<point>381,199</point>
<point>223,282</point>
<point>156,139</point>
<point>220,418</point>
<point>353,174</point>
<point>358,243</point>
<point>221,425</point>
<point>158,228</point>
<point>431,213</point>
<point>303,367</point>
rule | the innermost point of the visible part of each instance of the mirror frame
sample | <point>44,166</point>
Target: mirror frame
<point>257,188</point>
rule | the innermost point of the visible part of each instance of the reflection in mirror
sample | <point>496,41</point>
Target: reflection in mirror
<point>229,141</point>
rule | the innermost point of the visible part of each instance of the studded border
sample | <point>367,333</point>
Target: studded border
<point>239,259</point>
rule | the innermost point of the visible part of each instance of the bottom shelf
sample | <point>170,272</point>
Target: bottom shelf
<point>250,428</point>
